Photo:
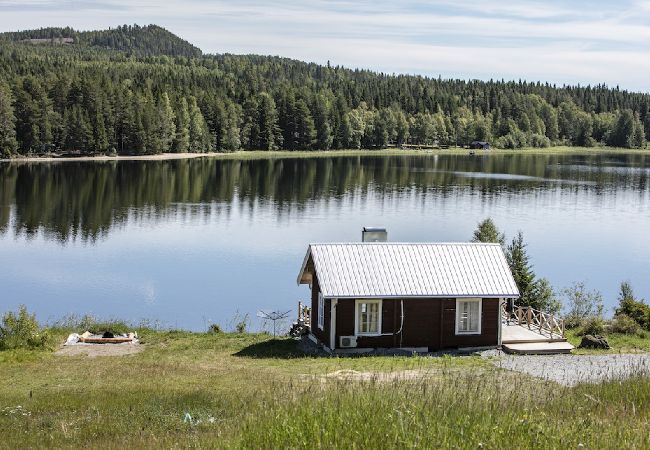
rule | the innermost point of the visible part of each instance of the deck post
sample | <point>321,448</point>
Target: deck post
<point>552,327</point>
<point>529,316</point>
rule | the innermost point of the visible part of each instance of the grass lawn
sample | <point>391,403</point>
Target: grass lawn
<point>248,390</point>
<point>619,343</point>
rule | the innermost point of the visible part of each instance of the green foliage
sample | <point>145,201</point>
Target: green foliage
<point>539,141</point>
<point>581,305</point>
<point>150,40</point>
<point>22,331</point>
<point>241,324</point>
<point>593,325</point>
<point>214,329</point>
<point>632,307</point>
<point>487,231</point>
<point>522,270</point>
<point>624,324</point>
<point>8,142</point>
<point>132,89</point>
<point>514,139</point>
<point>628,131</point>
<point>544,298</point>
<point>536,293</point>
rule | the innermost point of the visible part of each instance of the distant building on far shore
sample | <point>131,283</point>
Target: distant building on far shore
<point>480,145</point>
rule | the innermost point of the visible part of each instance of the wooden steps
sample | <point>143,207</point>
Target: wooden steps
<point>538,348</point>
<point>526,340</point>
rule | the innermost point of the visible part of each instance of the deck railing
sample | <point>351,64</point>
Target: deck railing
<point>304,313</point>
<point>535,319</point>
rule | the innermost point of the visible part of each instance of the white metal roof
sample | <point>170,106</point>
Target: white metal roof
<point>388,269</point>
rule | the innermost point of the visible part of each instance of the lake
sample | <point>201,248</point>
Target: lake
<point>190,242</point>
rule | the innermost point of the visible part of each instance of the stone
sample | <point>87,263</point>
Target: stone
<point>594,341</point>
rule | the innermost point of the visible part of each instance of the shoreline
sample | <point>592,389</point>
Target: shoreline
<point>262,154</point>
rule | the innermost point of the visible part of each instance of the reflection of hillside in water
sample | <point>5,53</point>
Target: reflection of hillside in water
<point>66,200</point>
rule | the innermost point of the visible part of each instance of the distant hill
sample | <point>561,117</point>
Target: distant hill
<point>142,41</point>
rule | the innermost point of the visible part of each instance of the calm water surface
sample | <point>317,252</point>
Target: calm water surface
<point>191,242</point>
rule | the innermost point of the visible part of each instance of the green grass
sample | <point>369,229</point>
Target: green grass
<point>619,343</point>
<point>250,391</point>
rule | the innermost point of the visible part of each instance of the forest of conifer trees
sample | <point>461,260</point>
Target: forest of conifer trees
<point>142,90</point>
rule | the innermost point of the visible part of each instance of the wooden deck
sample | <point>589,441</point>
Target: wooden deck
<point>520,339</point>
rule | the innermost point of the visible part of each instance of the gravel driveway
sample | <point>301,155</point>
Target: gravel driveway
<point>573,369</point>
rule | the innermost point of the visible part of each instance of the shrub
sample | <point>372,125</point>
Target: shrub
<point>539,141</point>
<point>637,309</point>
<point>240,327</point>
<point>592,325</point>
<point>22,331</point>
<point>581,305</point>
<point>214,329</point>
<point>514,139</point>
<point>624,324</point>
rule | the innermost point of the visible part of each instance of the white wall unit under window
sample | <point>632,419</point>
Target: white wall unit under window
<point>367,317</point>
<point>468,315</point>
<point>321,311</point>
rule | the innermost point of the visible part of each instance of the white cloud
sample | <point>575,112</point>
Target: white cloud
<point>547,41</point>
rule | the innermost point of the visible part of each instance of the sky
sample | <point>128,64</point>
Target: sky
<point>562,42</point>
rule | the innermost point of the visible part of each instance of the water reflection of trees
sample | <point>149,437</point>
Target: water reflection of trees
<point>66,200</point>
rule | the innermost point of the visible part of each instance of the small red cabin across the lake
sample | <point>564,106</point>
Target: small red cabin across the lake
<point>421,296</point>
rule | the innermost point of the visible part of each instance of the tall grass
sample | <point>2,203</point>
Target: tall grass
<point>250,391</point>
<point>454,412</point>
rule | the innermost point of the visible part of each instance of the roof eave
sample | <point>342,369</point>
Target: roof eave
<point>303,266</point>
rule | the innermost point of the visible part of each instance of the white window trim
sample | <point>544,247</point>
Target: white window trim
<point>480,315</point>
<point>356,317</point>
<point>321,311</point>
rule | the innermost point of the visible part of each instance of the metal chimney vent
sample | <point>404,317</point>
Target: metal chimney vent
<point>374,234</point>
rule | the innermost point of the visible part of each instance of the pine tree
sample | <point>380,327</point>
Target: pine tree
<point>199,134</point>
<point>304,134</point>
<point>232,140</point>
<point>487,231</point>
<point>521,269</point>
<point>166,128</point>
<point>269,136</point>
<point>182,141</point>
<point>8,142</point>
<point>324,136</point>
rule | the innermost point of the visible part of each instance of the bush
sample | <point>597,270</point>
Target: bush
<point>592,325</point>
<point>539,141</point>
<point>637,310</point>
<point>240,327</point>
<point>214,329</point>
<point>514,139</point>
<point>624,324</point>
<point>22,331</point>
<point>582,305</point>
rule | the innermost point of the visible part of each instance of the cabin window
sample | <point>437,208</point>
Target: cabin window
<point>468,316</point>
<point>321,311</point>
<point>368,317</point>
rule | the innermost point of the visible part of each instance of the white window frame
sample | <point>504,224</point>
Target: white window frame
<point>357,302</point>
<point>480,315</point>
<point>321,311</point>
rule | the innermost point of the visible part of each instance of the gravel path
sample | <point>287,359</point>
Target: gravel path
<point>573,369</point>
